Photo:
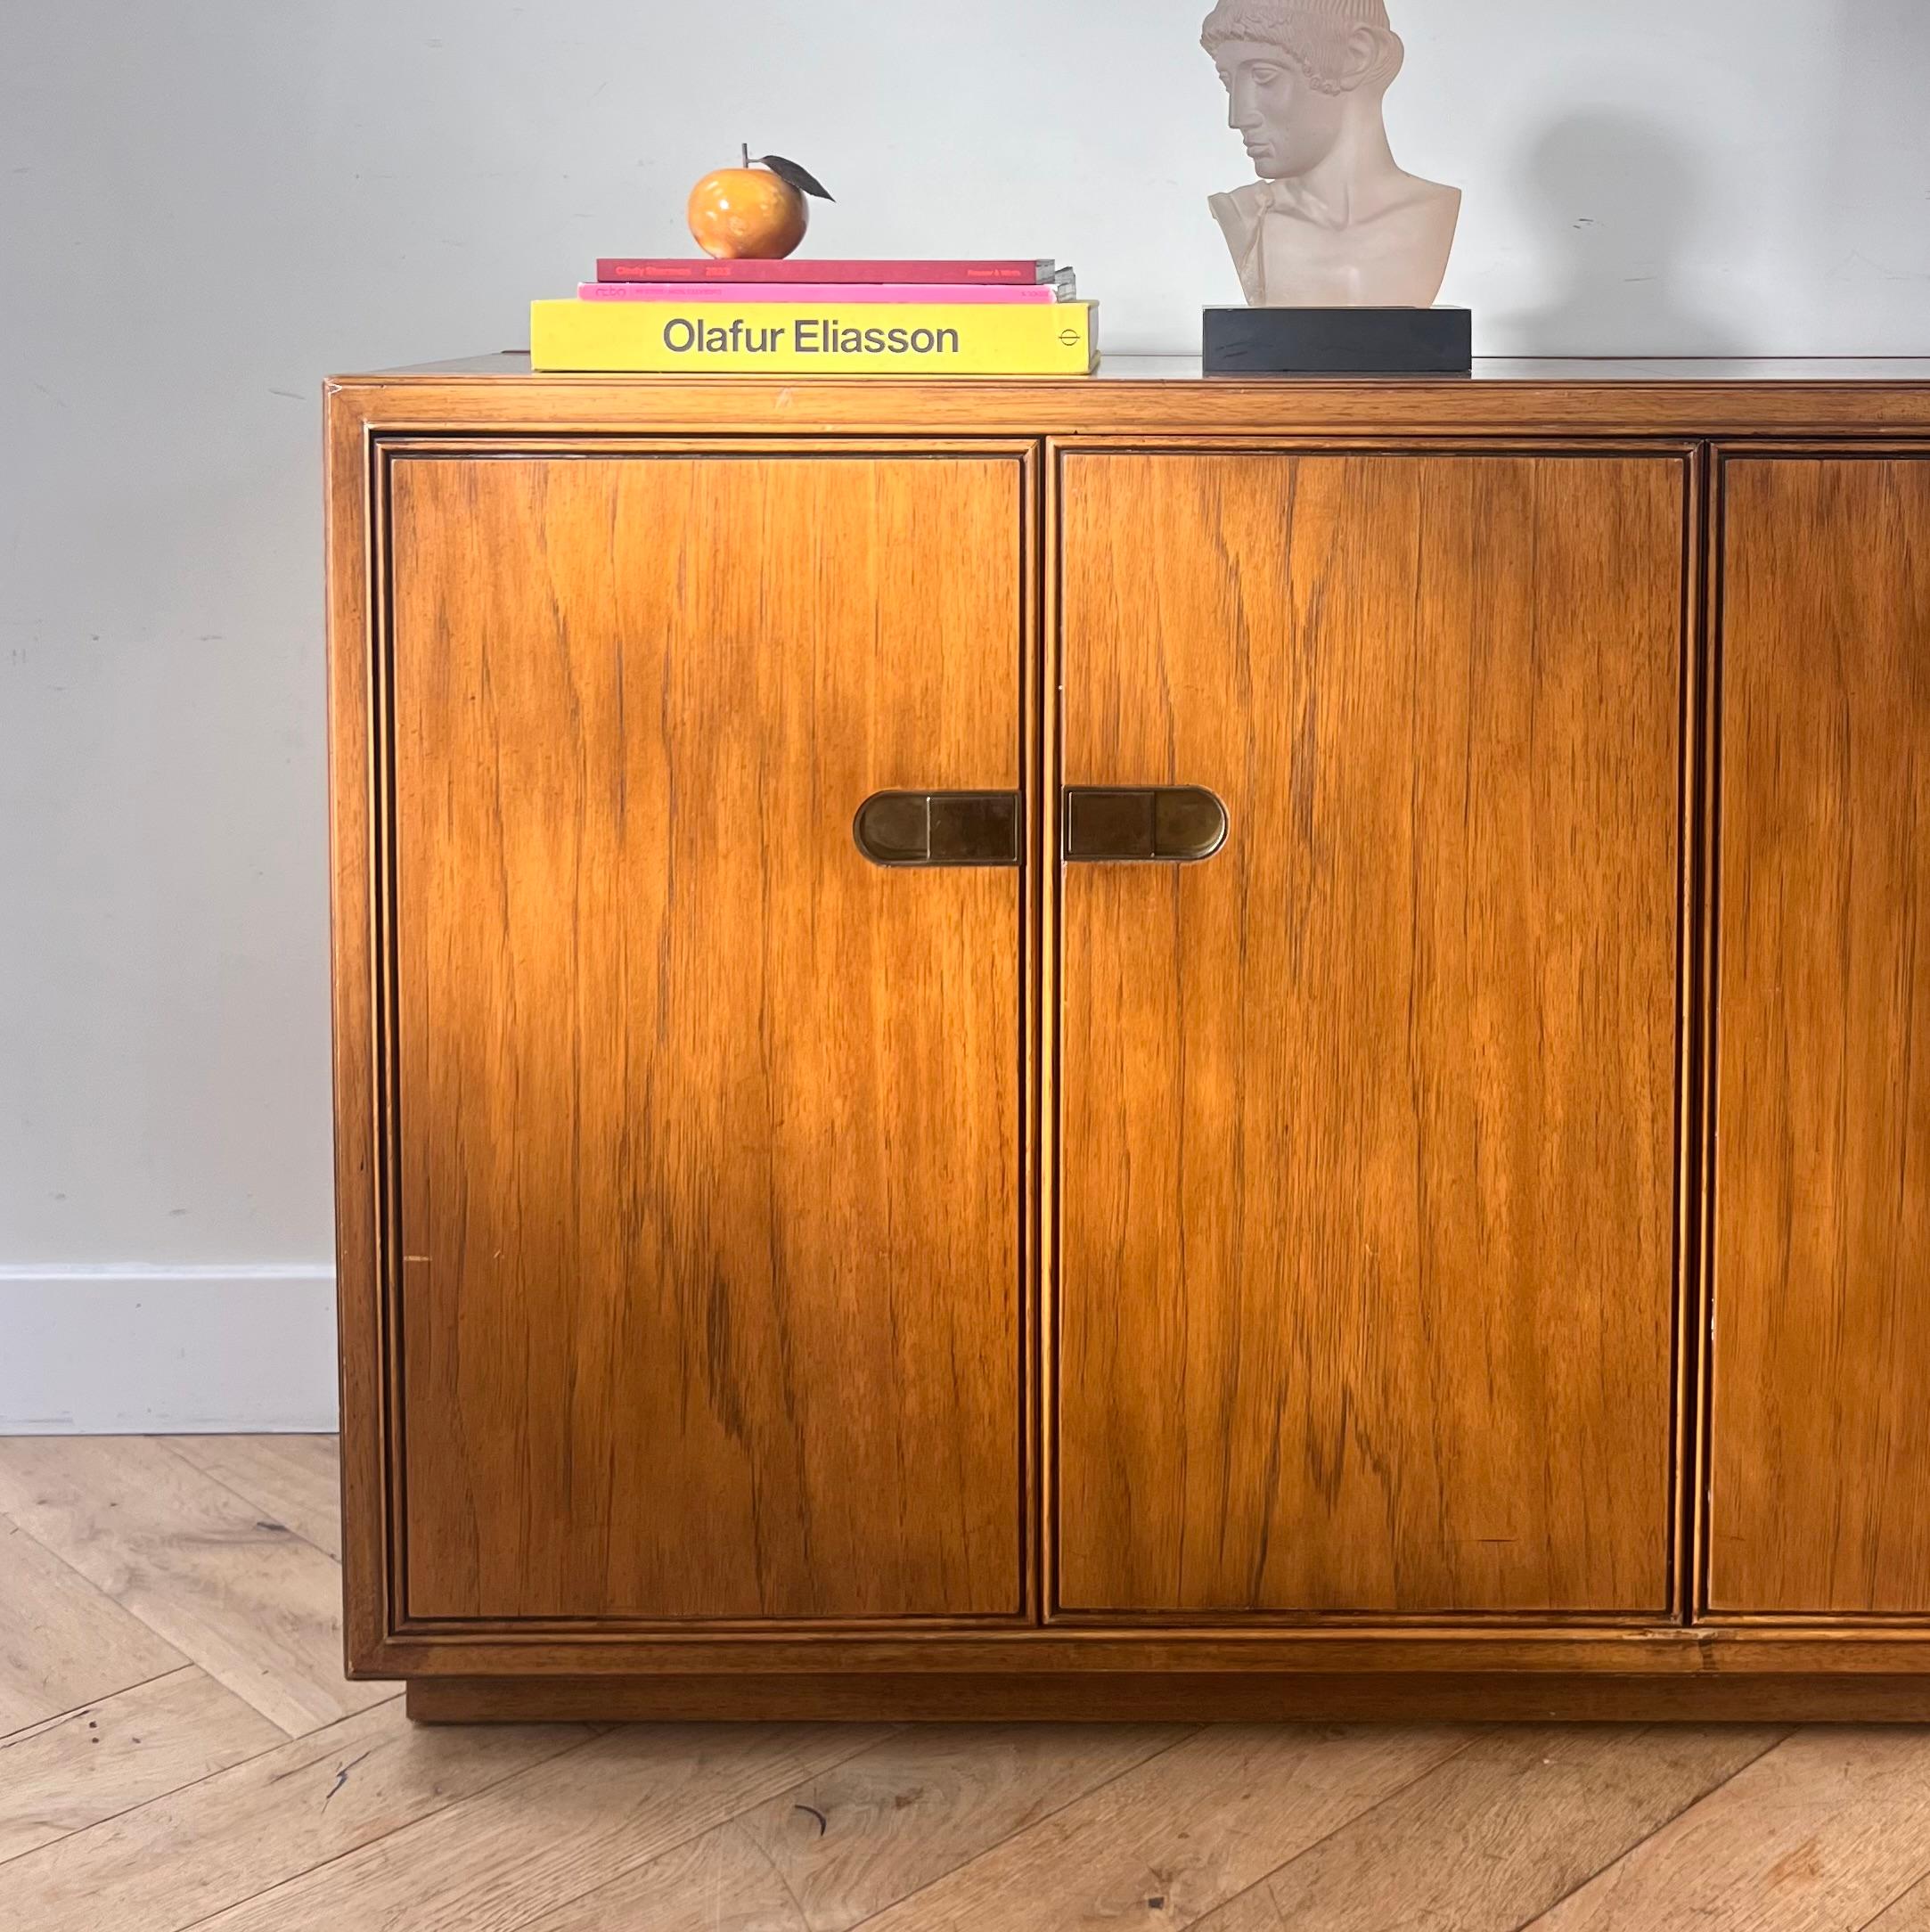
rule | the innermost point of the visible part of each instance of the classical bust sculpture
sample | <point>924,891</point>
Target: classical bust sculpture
<point>1332,222</point>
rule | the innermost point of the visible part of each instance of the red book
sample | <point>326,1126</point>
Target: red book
<point>707,268</point>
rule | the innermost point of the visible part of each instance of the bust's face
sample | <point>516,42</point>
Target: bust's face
<point>1288,125</point>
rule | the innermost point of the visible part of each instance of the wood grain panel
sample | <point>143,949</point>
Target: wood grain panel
<point>1369,1122</point>
<point>708,1129</point>
<point>1820,1430</point>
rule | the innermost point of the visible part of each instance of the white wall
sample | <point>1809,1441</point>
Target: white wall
<point>205,205</point>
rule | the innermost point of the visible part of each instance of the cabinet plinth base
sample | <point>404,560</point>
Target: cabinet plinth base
<point>1192,1696</point>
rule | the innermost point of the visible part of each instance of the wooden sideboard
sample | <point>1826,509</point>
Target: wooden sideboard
<point>1460,1246</point>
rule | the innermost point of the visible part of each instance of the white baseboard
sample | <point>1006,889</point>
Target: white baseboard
<point>118,1351</point>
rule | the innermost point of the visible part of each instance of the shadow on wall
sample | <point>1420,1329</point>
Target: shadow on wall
<point>1612,200</point>
<point>1871,218</point>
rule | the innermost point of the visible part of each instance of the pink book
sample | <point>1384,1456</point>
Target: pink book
<point>814,268</point>
<point>820,292</point>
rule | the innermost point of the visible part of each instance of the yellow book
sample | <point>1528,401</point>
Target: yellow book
<point>829,338</point>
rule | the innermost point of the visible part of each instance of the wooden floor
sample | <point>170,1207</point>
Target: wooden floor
<point>178,1747</point>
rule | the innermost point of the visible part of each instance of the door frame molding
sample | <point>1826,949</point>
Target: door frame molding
<point>360,456</point>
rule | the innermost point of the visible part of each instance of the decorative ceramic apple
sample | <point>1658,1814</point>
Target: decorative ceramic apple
<point>755,212</point>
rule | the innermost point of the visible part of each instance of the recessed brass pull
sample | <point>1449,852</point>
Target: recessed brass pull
<point>938,828</point>
<point>1169,825</point>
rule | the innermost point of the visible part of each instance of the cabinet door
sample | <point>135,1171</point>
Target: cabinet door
<point>706,1127</point>
<point>1820,1426</point>
<point>1365,1290</point>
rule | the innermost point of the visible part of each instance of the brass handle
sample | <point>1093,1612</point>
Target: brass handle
<point>938,828</point>
<point>1171,825</point>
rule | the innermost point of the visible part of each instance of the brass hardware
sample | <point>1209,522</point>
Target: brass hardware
<point>938,828</point>
<point>1175,825</point>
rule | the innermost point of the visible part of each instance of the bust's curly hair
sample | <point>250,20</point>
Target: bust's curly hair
<point>1312,33</point>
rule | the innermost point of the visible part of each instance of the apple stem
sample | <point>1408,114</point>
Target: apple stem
<point>744,148</point>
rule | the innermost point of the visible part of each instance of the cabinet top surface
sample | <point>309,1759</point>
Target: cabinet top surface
<point>1153,395</point>
<point>1565,371</point>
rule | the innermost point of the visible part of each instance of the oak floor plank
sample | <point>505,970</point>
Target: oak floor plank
<point>720,1882</point>
<point>1822,1833</point>
<point>255,1605</point>
<point>1909,1913</point>
<point>294,1480</point>
<point>1500,1832</point>
<point>107,1757</point>
<point>174,1861</point>
<point>63,1643</point>
<point>544,1837</point>
<point>1252,1911</point>
<point>830,1852</point>
<point>1165,1843</point>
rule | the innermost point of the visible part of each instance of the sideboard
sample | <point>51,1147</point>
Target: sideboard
<point>1145,1047</point>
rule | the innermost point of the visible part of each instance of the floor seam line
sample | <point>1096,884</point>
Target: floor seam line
<point>53,1720</point>
<point>1151,1757</point>
<point>1628,1852</point>
<point>66,1562</point>
<point>550,1905</point>
<point>323,1864</point>
<point>161,1797</point>
<point>1889,1904</point>
<point>1346,1824</point>
<point>253,1503</point>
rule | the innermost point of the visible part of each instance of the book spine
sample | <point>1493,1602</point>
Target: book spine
<point>875,292</point>
<point>683,269</point>
<point>772,339</point>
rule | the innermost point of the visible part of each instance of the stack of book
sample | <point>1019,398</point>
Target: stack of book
<point>705,316</point>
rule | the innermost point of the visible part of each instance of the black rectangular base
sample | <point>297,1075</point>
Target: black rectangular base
<point>1338,342</point>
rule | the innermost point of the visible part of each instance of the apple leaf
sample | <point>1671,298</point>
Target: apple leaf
<point>800,178</point>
